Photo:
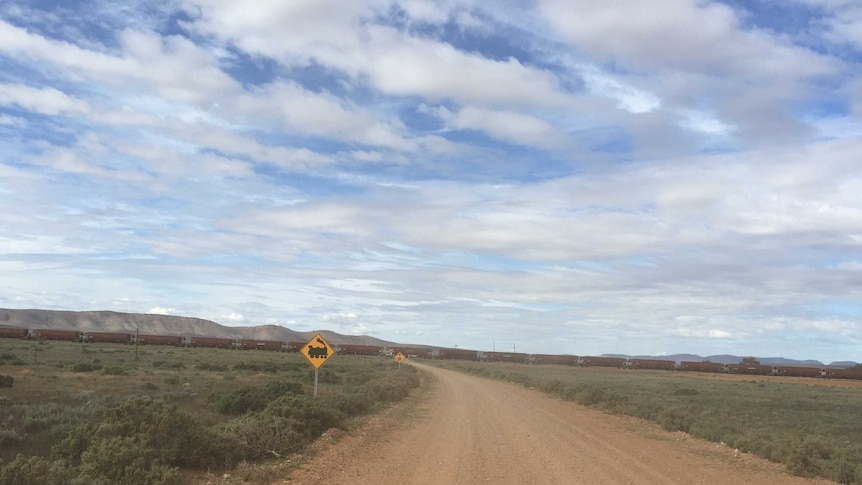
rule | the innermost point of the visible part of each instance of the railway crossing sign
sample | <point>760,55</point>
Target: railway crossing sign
<point>317,351</point>
<point>399,357</point>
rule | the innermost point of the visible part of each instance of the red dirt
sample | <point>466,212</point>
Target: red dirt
<point>473,430</point>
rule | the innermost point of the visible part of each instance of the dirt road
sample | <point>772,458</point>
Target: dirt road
<point>472,430</point>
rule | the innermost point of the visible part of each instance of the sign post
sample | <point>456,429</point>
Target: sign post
<point>399,357</point>
<point>317,351</point>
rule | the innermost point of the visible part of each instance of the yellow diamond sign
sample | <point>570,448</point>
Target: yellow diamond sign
<point>317,351</point>
<point>399,357</point>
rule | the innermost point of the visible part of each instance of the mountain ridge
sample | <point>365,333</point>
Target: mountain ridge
<point>155,324</point>
<point>735,359</point>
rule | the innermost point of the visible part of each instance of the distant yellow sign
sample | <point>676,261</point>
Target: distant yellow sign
<point>317,351</point>
<point>399,357</point>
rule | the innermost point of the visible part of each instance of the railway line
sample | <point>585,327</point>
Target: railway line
<point>425,352</point>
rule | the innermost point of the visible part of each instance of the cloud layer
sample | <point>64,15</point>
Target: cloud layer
<point>579,177</point>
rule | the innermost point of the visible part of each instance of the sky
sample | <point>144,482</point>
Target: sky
<point>552,176</point>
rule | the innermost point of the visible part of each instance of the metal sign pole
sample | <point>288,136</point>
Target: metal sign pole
<point>315,381</point>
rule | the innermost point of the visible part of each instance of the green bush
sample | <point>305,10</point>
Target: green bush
<point>34,470</point>
<point>250,399</point>
<point>128,460</point>
<point>9,437</point>
<point>353,404</point>
<point>316,415</point>
<point>114,371</point>
<point>178,438</point>
<point>72,442</point>
<point>85,367</point>
<point>260,435</point>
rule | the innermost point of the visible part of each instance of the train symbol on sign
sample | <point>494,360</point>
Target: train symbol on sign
<point>321,352</point>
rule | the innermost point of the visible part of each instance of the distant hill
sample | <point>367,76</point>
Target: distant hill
<point>732,359</point>
<point>106,321</point>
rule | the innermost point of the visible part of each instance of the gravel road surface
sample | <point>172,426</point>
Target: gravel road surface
<point>470,430</point>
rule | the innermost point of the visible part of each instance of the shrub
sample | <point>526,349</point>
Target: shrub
<point>176,437</point>
<point>72,443</point>
<point>9,437</point>
<point>353,404</point>
<point>129,460</point>
<point>35,470</point>
<point>807,457</point>
<point>250,399</point>
<point>258,435</point>
<point>316,415</point>
<point>114,371</point>
<point>85,367</point>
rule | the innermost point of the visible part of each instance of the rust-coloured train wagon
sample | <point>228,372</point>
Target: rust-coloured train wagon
<point>160,340</point>
<point>591,361</point>
<point>652,364</point>
<point>691,366</point>
<point>458,354</point>
<point>211,342</point>
<point>799,371</point>
<point>14,332</point>
<point>47,334</point>
<point>753,369</point>
<point>504,357</point>
<point>554,359</point>
<point>412,352</point>
<point>294,346</point>
<point>350,349</point>
<point>260,344</point>
<point>120,338</point>
<point>844,373</point>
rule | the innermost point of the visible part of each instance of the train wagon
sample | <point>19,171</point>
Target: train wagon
<point>591,361</point>
<point>211,342</point>
<point>412,352</point>
<point>691,366</point>
<point>652,364</point>
<point>504,357</point>
<point>752,369</point>
<point>799,371</point>
<point>844,373</point>
<point>458,354</point>
<point>260,344</point>
<point>13,332</point>
<point>553,359</point>
<point>294,346</point>
<point>350,349</point>
<point>120,338</point>
<point>159,340</point>
<point>69,335</point>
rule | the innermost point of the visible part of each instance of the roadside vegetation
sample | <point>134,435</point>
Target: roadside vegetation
<point>814,430</point>
<point>112,414</point>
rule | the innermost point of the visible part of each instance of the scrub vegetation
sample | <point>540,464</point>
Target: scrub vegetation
<point>110,413</point>
<point>813,429</point>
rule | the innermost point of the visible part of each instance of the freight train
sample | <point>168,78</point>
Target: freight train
<point>146,339</point>
<point>436,353</point>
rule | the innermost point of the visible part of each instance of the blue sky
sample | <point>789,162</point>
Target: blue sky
<point>556,176</point>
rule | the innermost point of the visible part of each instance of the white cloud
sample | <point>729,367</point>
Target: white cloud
<point>173,66</point>
<point>48,101</point>
<point>162,311</point>
<point>504,125</point>
<point>320,114</point>
<point>628,98</point>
